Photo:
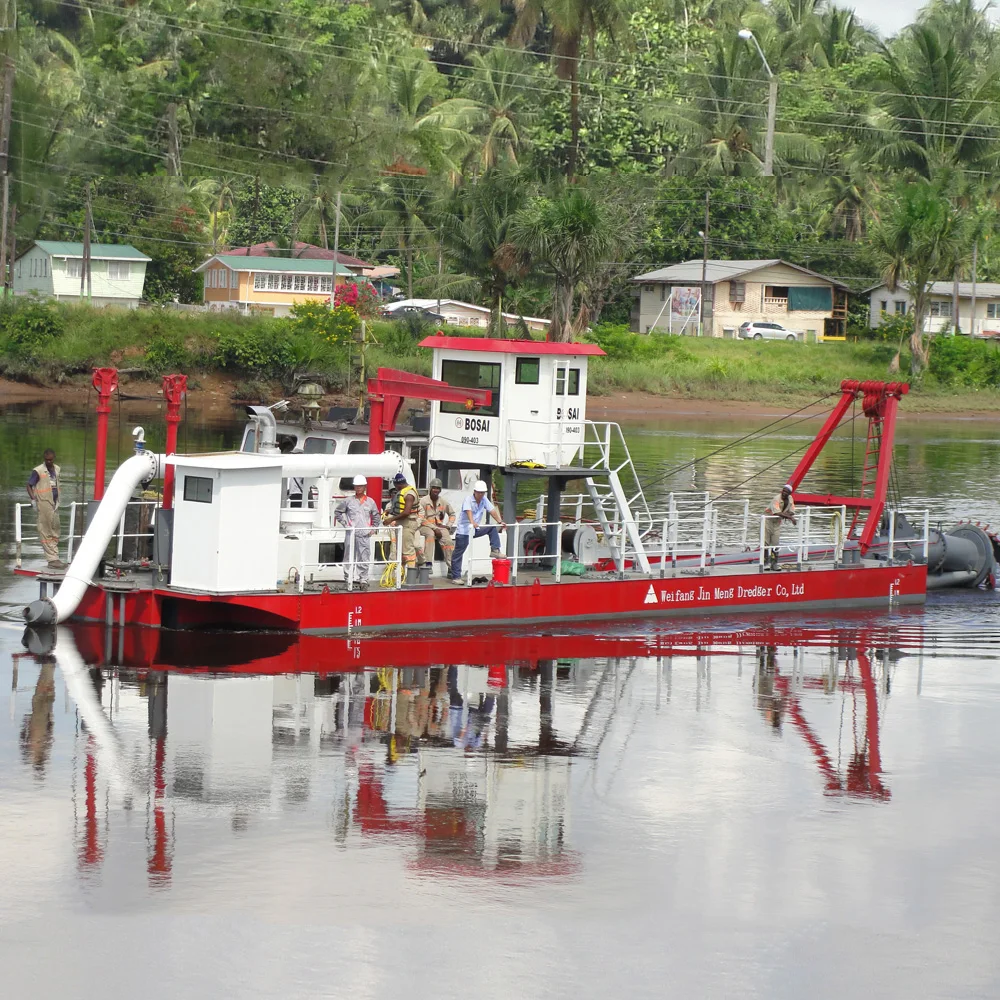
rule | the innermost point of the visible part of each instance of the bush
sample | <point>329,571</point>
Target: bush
<point>617,341</point>
<point>166,353</point>
<point>336,326</point>
<point>397,339</point>
<point>961,361</point>
<point>30,325</point>
<point>254,349</point>
<point>892,330</point>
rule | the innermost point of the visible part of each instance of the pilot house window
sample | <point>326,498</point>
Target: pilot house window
<point>527,371</point>
<point>472,375</point>
<point>567,381</point>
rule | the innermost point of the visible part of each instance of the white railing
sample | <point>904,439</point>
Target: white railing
<point>818,535</point>
<point>348,563</point>
<point>774,303</point>
<point>923,541</point>
<point>76,528</point>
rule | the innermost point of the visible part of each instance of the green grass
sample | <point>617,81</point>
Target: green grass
<point>47,344</point>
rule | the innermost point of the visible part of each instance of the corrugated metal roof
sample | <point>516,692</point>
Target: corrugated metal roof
<point>984,289</point>
<point>98,251</point>
<point>284,265</point>
<point>721,270</point>
<point>490,345</point>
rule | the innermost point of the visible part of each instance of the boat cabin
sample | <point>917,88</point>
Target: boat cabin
<point>538,411</point>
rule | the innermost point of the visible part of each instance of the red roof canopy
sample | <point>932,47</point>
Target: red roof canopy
<point>490,345</point>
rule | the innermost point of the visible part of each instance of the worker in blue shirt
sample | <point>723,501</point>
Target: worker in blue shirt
<point>472,524</point>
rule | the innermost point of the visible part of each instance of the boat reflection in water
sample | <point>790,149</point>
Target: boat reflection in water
<point>466,766</point>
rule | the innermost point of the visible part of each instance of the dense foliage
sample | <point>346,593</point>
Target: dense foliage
<point>531,153</point>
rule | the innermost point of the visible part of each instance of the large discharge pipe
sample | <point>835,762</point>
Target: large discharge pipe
<point>145,466</point>
<point>138,469</point>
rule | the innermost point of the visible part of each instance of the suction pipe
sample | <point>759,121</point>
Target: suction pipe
<point>138,469</point>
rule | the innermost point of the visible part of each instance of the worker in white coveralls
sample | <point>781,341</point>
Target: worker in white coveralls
<point>360,513</point>
<point>43,488</point>
<point>779,510</point>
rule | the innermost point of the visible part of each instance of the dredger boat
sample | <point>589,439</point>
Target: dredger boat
<point>231,550</point>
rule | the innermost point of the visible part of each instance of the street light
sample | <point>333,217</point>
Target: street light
<point>772,102</point>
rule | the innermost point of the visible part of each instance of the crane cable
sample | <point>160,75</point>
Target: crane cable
<point>741,440</point>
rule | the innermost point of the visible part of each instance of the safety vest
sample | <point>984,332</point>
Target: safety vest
<point>400,502</point>
<point>43,488</point>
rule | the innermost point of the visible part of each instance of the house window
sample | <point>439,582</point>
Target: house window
<point>325,283</point>
<point>198,489</point>
<point>941,307</point>
<point>312,283</point>
<point>74,268</point>
<point>472,375</point>
<point>45,267</point>
<point>993,310</point>
<point>737,292</point>
<point>299,282</point>
<point>663,293</point>
<point>899,307</point>
<point>526,372</point>
<point>118,270</point>
<point>223,278</point>
<point>883,306</point>
<point>775,292</point>
<point>205,278</point>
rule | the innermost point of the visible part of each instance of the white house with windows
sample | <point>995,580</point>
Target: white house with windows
<point>457,313</point>
<point>985,322</point>
<point>52,268</point>
<point>268,285</point>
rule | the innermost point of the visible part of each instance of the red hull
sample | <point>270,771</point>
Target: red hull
<point>457,607</point>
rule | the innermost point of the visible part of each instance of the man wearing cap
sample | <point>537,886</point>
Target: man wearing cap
<point>438,523</point>
<point>406,514</point>
<point>360,513</point>
<point>472,524</point>
<point>780,509</point>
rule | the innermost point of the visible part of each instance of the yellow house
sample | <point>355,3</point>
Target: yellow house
<point>269,285</point>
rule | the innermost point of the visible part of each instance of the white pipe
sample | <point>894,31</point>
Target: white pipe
<point>81,690</point>
<point>385,466</point>
<point>138,469</point>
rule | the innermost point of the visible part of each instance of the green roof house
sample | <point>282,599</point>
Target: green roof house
<point>52,268</point>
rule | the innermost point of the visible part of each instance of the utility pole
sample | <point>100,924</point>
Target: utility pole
<point>11,250</point>
<point>85,268</point>
<point>975,266</point>
<point>173,143</point>
<point>772,102</point>
<point>704,263</point>
<point>336,249</point>
<point>8,96</point>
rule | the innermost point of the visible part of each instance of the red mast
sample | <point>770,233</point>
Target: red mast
<point>880,401</point>
<point>174,389</point>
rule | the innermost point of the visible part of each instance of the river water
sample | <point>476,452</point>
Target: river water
<point>763,807</point>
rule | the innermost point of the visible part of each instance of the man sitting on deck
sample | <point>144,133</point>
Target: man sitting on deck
<point>781,508</point>
<point>438,523</point>
<point>471,524</point>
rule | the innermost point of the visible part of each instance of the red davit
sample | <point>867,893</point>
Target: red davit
<point>880,402</point>
<point>386,393</point>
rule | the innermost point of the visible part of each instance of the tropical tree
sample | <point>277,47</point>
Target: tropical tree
<point>477,241</point>
<point>921,238</point>
<point>405,213</point>
<point>572,24</point>
<point>569,236</point>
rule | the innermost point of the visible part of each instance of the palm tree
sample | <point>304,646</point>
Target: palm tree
<point>723,123</point>
<point>405,210</point>
<point>938,110</point>
<point>837,38</point>
<point>921,238</point>
<point>318,211</point>
<point>572,23</point>
<point>569,236</point>
<point>477,241</point>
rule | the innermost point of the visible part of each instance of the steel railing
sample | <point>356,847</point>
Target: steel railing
<point>348,564</point>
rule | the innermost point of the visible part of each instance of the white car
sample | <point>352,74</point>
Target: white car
<point>761,330</point>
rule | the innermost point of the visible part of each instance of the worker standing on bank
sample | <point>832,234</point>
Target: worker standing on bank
<point>472,524</point>
<point>438,524</point>
<point>780,509</point>
<point>406,514</point>
<point>43,488</point>
<point>360,513</point>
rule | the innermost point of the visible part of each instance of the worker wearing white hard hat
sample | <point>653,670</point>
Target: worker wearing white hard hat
<point>472,524</point>
<point>361,518</point>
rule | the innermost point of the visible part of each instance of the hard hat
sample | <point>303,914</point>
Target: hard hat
<point>399,478</point>
<point>359,481</point>
<point>479,487</point>
<point>435,482</point>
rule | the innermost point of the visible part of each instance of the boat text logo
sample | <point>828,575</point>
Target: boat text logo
<point>651,596</point>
